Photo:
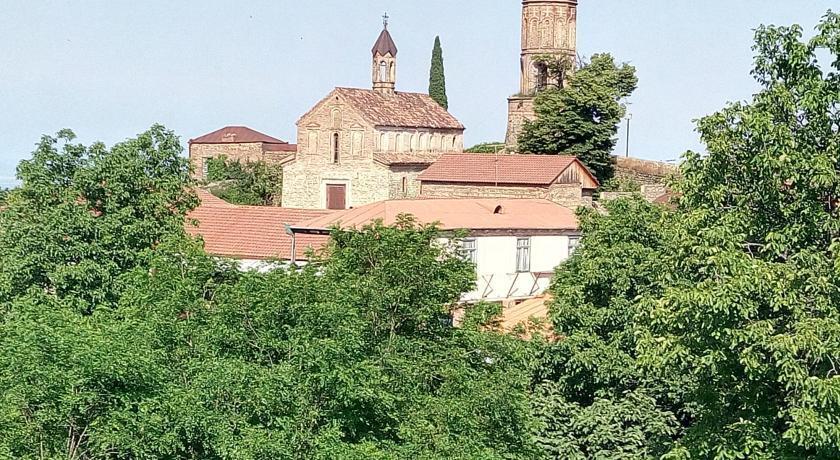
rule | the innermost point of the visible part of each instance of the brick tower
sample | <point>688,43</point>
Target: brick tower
<point>549,27</point>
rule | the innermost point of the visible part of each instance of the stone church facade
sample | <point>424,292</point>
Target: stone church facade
<point>549,28</point>
<point>359,146</point>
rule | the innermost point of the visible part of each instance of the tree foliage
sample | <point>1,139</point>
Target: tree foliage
<point>117,346</point>
<point>582,118</point>
<point>437,76</point>
<point>83,215</point>
<point>251,183</point>
<point>486,147</point>
<point>722,313</point>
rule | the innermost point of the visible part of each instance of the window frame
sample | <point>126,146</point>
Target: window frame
<point>469,254</point>
<point>523,254</point>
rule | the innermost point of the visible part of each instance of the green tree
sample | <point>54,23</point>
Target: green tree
<point>4,196</point>
<point>751,313</point>
<point>581,118</point>
<point>592,398</point>
<point>722,313</point>
<point>125,347</point>
<point>437,77</point>
<point>251,183</point>
<point>83,215</point>
<point>486,147</point>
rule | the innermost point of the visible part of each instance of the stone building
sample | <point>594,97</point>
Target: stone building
<point>359,146</point>
<point>549,28</point>
<point>561,179</point>
<point>237,143</point>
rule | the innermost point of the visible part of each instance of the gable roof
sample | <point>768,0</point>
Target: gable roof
<point>402,110</point>
<point>477,168</point>
<point>458,213</point>
<point>384,44</point>
<point>237,135</point>
<point>250,232</point>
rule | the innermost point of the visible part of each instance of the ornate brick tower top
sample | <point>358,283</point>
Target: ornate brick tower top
<point>384,61</point>
<point>549,28</point>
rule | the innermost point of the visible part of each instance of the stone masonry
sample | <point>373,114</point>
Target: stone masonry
<point>549,27</point>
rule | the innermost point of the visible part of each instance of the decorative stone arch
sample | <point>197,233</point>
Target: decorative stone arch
<point>336,118</point>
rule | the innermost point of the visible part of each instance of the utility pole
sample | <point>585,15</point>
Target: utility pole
<point>627,147</point>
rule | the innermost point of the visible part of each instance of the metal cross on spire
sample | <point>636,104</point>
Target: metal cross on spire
<point>385,18</point>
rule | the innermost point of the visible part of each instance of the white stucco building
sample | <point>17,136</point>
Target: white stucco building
<point>515,243</point>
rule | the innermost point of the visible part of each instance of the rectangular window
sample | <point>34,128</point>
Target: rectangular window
<point>574,242</point>
<point>469,250</point>
<point>523,255</point>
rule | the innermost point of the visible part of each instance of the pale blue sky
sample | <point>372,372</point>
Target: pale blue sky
<point>109,69</point>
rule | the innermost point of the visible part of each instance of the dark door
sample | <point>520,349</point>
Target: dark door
<point>336,196</point>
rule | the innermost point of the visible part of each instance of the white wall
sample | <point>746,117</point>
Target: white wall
<point>496,266</point>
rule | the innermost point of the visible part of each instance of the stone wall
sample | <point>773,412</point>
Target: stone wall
<point>305,178</point>
<point>570,195</point>
<point>520,109</point>
<point>200,153</point>
<point>567,195</point>
<point>404,175</point>
<point>649,192</point>
<point>367,181</point>
<point>643,171</point>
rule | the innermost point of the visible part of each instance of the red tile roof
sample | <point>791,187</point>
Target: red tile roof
<point>250,232</point>
<point>237,135</point>
<point>385,44</point>
<point>460,213</point>
<point>476,168</point>
<point>404,110</point>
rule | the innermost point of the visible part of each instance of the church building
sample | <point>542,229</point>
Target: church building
<point>360,146</point>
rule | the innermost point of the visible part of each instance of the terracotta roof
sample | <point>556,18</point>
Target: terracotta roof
<point>404,110</point>
<point>458,213</point>
<point>236,135</point>
<point>250,232</point>
<point>385,44</point>
<point>477,168</point>
<point>414,158</point>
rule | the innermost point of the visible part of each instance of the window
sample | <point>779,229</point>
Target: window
<point>469,250</point>
<point>383,71</point>
<point>336,139</point>
<point>404,185</point>
<point>523,255</point>
<point>574,243</point>
<point>205,167</point>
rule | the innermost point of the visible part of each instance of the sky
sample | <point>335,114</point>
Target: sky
<point>109,69</point>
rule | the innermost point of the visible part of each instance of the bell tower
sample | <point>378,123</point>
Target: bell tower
<point>549,28</point>
<point>384,61</point>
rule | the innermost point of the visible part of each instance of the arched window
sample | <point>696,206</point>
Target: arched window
<point>542,75</point>
<point>424,142</point>
<point>415,142</point>
<point>335,156</point>
<point>383,142</point>
<point>336,119</point>
<point>404,185</point>
<point>383,71</point>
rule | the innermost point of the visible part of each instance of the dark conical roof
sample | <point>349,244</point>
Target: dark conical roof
<point>385,44</point>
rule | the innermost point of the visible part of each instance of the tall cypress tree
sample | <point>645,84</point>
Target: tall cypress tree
<point>437,79</point>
